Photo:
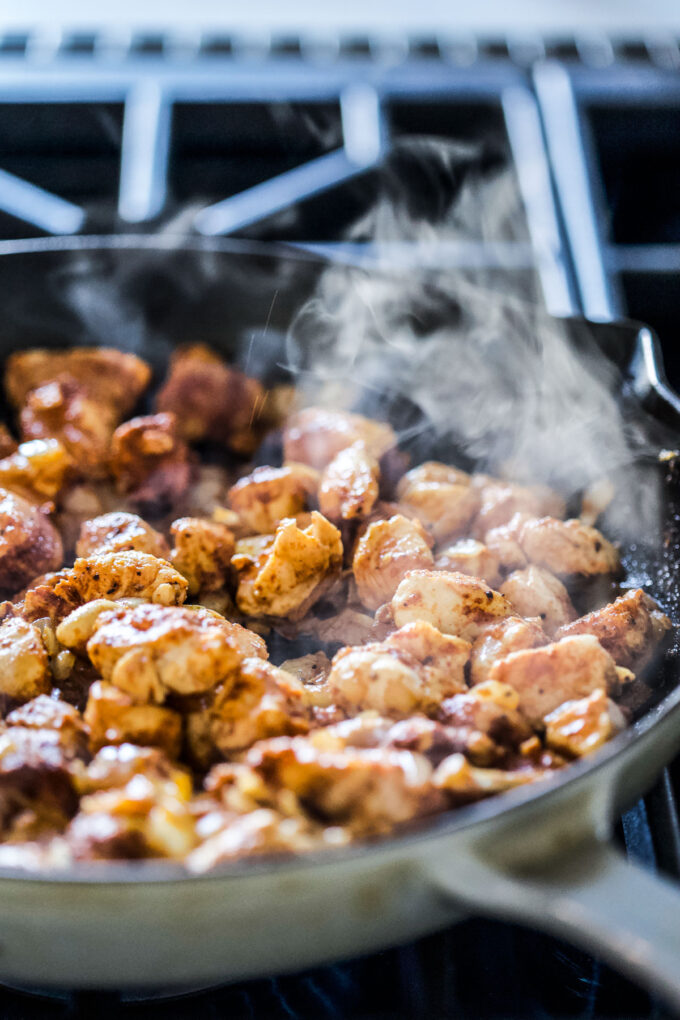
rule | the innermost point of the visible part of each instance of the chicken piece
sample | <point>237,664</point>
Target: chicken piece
<point>122,575</point>
<point>441,497</point>
<point>487,722</point>
<point>579,727</point>
<point>411,670</point>
<point>37,794</point>
<point>499,639</point>
<point>349,484</point>
<point>149,650</point>
<point>115,765</point>
<point>385,553</point>
<point>46,730</point>
<point>211,399</point>
<point>120,532</point>
<point>268,495</point>
<point>202,552</point>
<point>535,592</point>
<point>567,547</point>
<point>150,463</point>
<point>629,628</point>
<point>113,718</point>
<point>62,410</point>
<point>345,627</point>
<point>37,470</point>
<point>503,542</point>
<point>501,500</point>
<point>145,818</point>
<point>24,664</point>
<point>563,671</point>
<point>467,782</point>
<point>292,570</point>
<point>369,789</point>
<point>110,377</point>
<point>29,543</point>
<point>316,435</point>
<point>453,603</point>
<point>262,831</point>
<point>262,701</point>
<point>311,669</point>
<point>468,556</point>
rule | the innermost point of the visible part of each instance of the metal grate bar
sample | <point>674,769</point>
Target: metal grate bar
<point>39,207</point>
<point>144,154</point>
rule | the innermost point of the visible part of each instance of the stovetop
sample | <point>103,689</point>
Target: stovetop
<point>292,137</point>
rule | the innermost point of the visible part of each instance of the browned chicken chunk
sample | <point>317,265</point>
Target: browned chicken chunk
<point>316,435</point>
<point>441,497</point>
<point>567,547</point>
<point>113,717</point>
<point>454,603</point>
<point>579,727</point>
<point>536,592</point>
<point>349,484</point>
<point>29,543</point>
<point>266,496</point>
<point>150,462</point>
<point>24,665</point>
<point>385,553</point>
<point>202,552</point>
<point>120,532</point>
<point>500,638</point>
<point>37,470</point>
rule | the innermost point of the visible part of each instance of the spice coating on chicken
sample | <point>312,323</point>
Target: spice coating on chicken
<point>202,552</point>
<point>113,717</point>
<point>291,571</point>
<point>500,638</point>
<point>316,435</point>
<point>150,462</point>
<point>536,592</point>
<point>453,603</point>
<point>567,547</point>
<point>441,497</point>
<point>29,543</point>
<point>120,532</point>
<point>268,495</point>
<point>349,484</point>
<point>579,727</point>
<point>385,553</point>
<point>122,575</point>
<point>24,666</point>
<point>36,470</point>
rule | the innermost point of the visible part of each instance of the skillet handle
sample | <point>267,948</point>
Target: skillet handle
<point>594,897</point>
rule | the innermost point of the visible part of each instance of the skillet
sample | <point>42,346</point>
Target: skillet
<point>540,854</point>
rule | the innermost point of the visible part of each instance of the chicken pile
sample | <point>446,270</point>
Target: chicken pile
<point>149,574</point>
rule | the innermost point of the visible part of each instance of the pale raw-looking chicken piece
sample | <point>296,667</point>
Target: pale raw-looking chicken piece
<point>536,592</point>
<point>349,484</point>
<point>503,542</point>
<point>150,463</point>
<point>37,470</point>
<point>316,435</point>
<point>441,497</point>
<point>501,500</point>
<point>548,676</point>
<point>148,651</point>
<point>260,701</point>
<point>268,495</point>
<point>579,727</point>
<point>367,789</point>
<point>202,552</point>
<point>453,603</point>
<point>29,543</point>
<point>567,547</point>
<point>413,669</point>
<point>121,575</point>
<point>110,377</point>
<point>386,551</point>
<point>212,400</point>
<point>113,717</point>
<point>24,665</point>
<point>120,532</point>
<point>468,556</point>
<point>291,571</point>
<point>500,638</point>
<point>629,628</point>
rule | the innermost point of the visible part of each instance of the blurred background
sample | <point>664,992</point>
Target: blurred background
<point>534,147</point>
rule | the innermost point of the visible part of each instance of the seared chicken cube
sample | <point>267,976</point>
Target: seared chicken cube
<point>114,718</point>
<point>500,638</point>
<point>122,575</point>
<point>150,462</point>
<point>261,701</point>
<point>211,399</point>
<point>503,542</point>
<point>120,532</point>
<point>115,765</point>
<point>536,592</point>
<point>385,552</point>
<point>563,671</point>
<point>368,789</point>
<point>202,552</point>
<point>316,435</point>
<point>468,556</point>
<point>291,571</point>
<point>37,470</point>
<point>441,497</point>
<point>29,543</point>
<point>486,721</point>
<point>579,727</point>
<point>24,665</point>
<point>453,603</point>
<point>567,547</point>
<point>149,650</point>
<point>411,670</point>
<point>466,782</point>
<point>268,495</point>
<point>110,377</point>
<point>261,831</point>
<point>629,628</point>
<point>349,484</point>
<point>501,500</point>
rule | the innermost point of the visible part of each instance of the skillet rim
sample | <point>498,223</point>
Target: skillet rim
<point>425,830</point>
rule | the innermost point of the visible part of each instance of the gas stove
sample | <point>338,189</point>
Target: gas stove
<point>291,137</point>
